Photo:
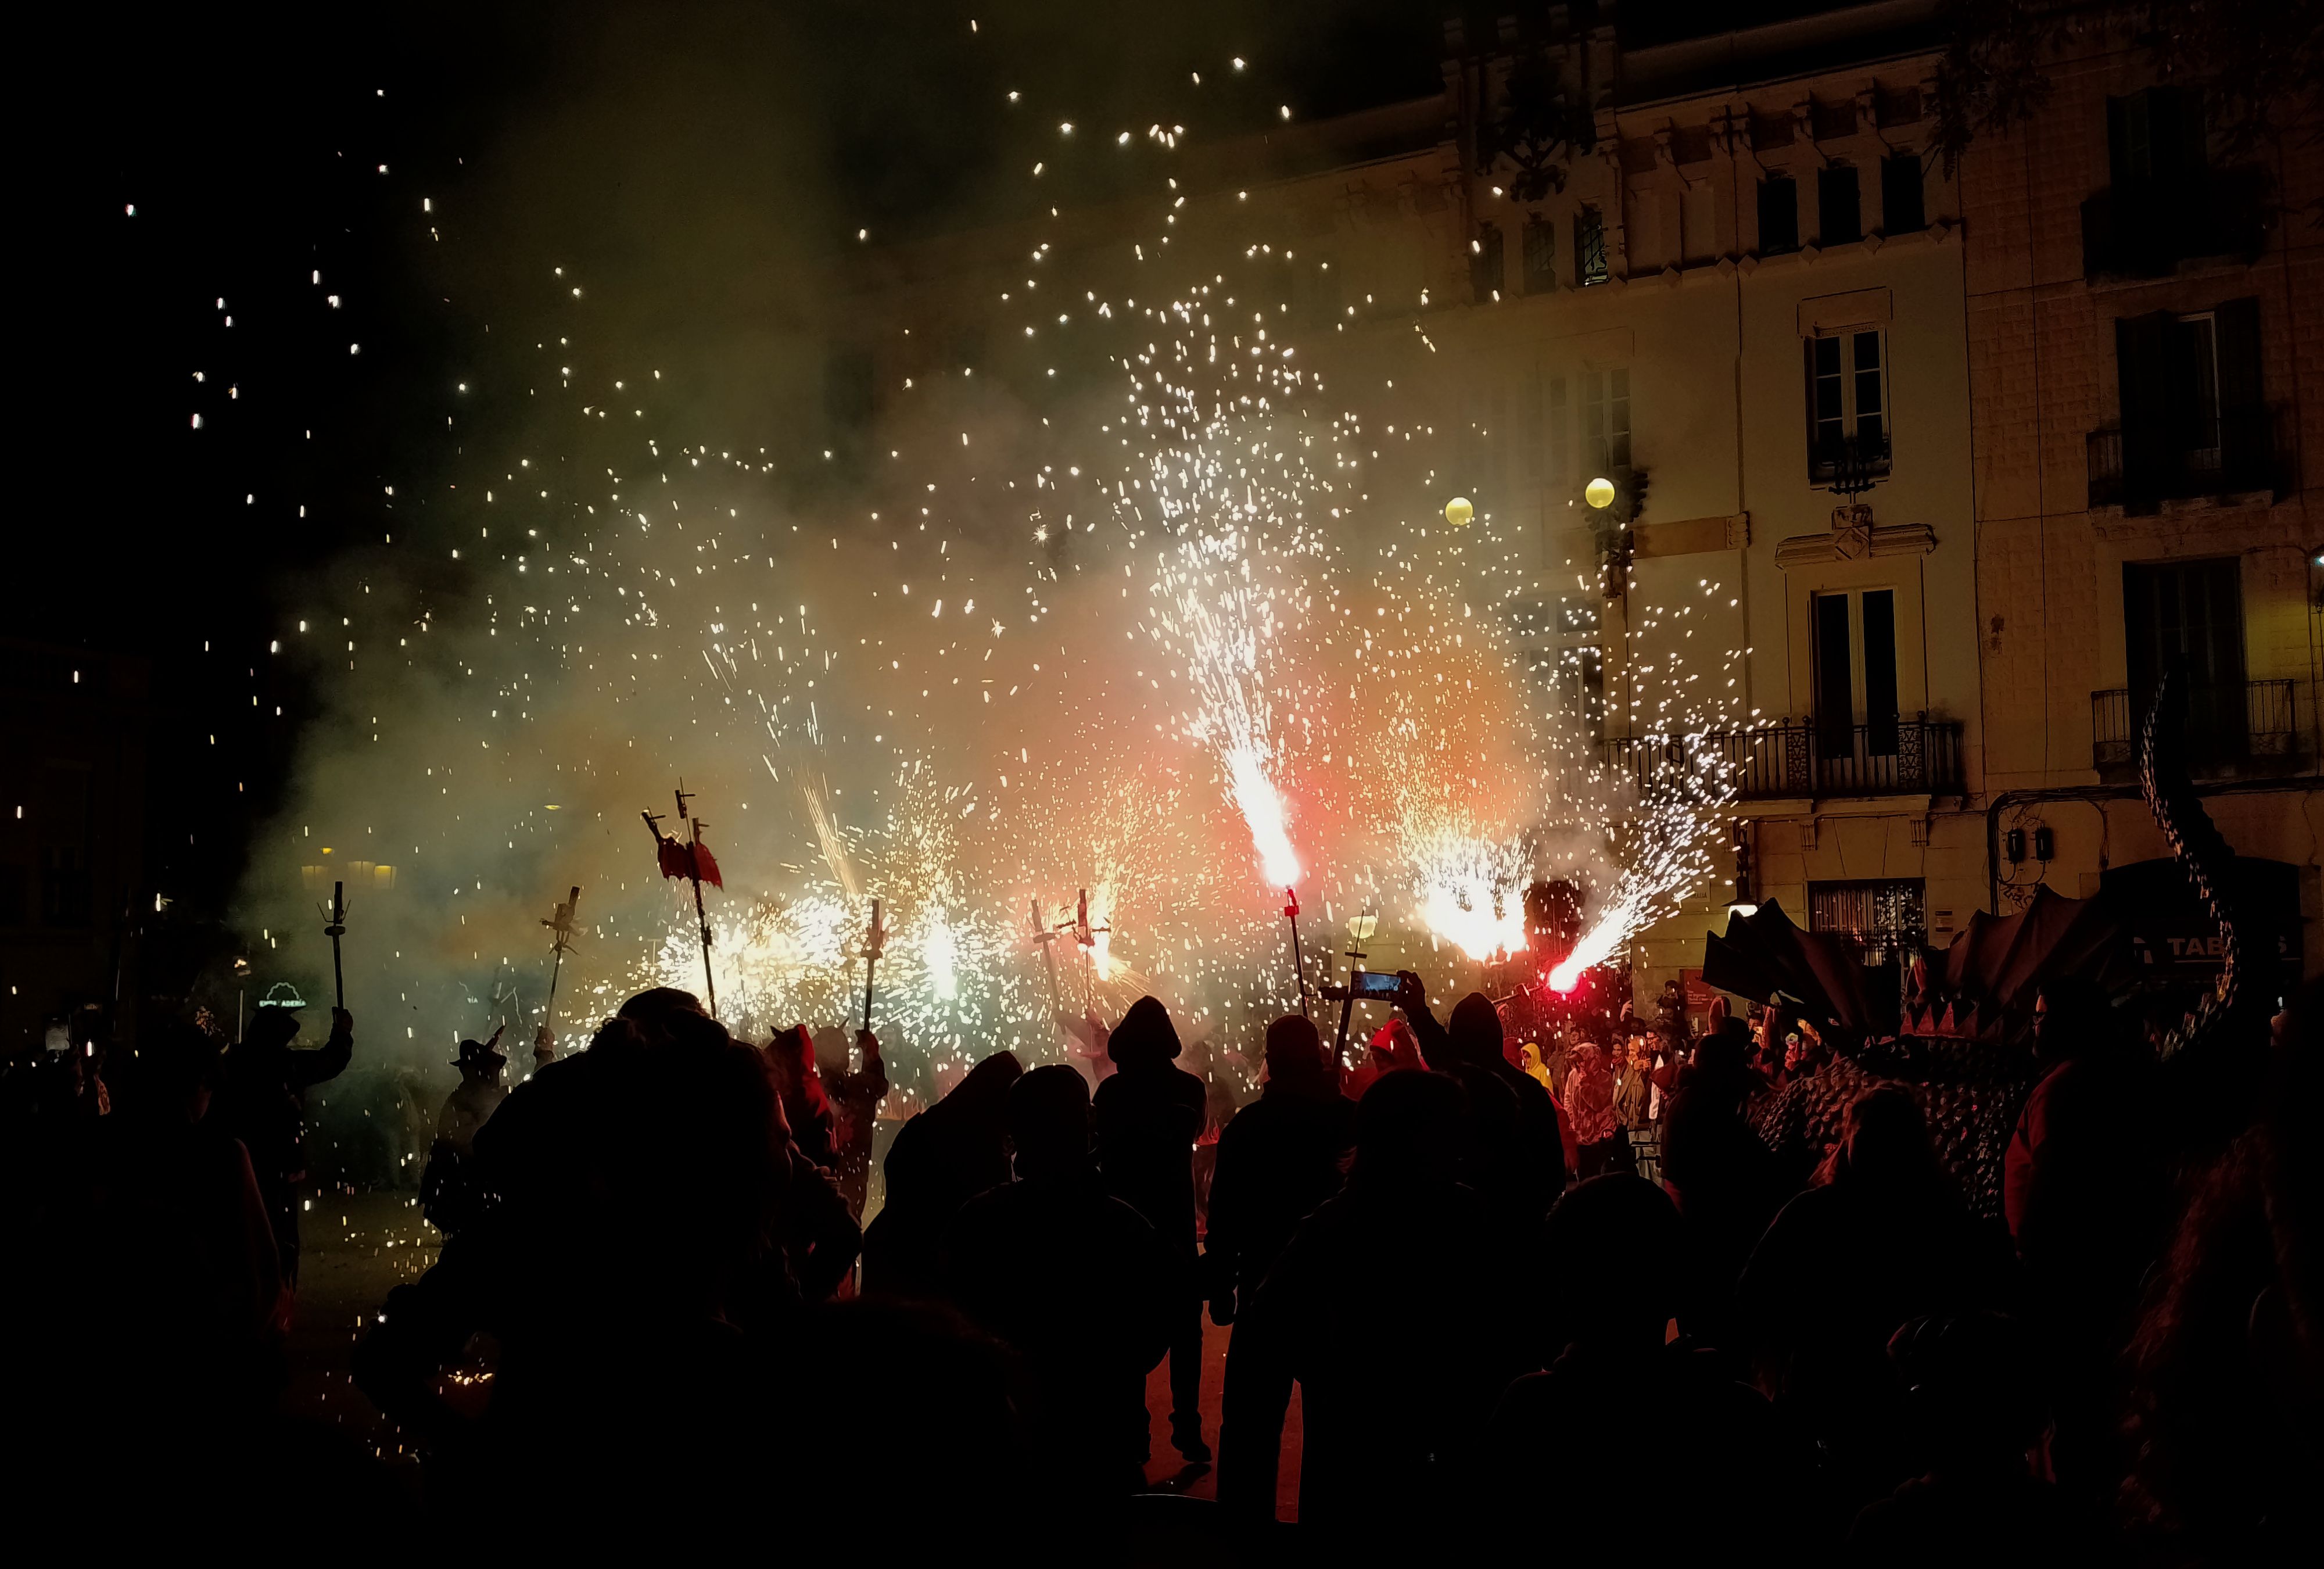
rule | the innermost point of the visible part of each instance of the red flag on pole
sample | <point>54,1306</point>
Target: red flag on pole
<point>679,860</point>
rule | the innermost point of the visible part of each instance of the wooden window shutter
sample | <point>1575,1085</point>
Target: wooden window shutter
<point>2142,347</point>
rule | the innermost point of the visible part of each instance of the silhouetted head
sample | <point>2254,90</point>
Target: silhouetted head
<point>1394,1045</point>
<point>1972,1387</point>
<point>270,1028</point>
<point>1409,1132</point>
<point>1295,1056</point>
<point>983,1093</point>
<point>1475,1029</point>
<point>480,1060</point>
<point>1145,1037</point>
<point>1049,1121</point>
<point>1612,1252</point>
<point>653,1010</point>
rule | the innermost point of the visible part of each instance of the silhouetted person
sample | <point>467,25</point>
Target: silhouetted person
<point>1394,1048</point>
<point>633,1254</point>
<point>1075,1281</point>
<point>261,1100</point>
<point>2226,1390</point>
<point>2084,1186</point>
<point>940,1159</point>
<point>1886,1237</point>
<point>856,1096</point>
<point>1391,1309</point>
<point>807,1108</point>
<point>1279,1159</point>
<point>1518,1161</point>
<point>1653,1442</point>
<point>1973,1404</point>
<point>447,1189</point>
<point>1149,1112</point>
<point>1722,1178</point>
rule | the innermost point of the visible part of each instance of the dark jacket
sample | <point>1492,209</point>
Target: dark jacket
<point>1073,1280</point>
<point>1279,1159</point>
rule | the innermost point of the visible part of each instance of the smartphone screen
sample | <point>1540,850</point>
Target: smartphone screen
<point>1371,983</point>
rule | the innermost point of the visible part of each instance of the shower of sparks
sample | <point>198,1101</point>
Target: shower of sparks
<point>1139,610</point>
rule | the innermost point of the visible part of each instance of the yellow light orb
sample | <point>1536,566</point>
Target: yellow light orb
<point>1458,512</point>
<point>1599,492</point>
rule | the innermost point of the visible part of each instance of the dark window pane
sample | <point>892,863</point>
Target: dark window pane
<point>1540,256</point>
<point>1837,193</point>
<point>1835,682</point>
<point>1779,215</point>
<point>1590,248</point>
<point>1901,209</point>
<point>1880,671</point>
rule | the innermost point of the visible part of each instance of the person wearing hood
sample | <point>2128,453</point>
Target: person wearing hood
<point>262,1101</point>
<point>790,1057</point>
<point>1075,1282</point>
<point>1520,1161</point>
<point>1392,1408</point>
<point>1149,1114</point>
<point>940,1159</point>
<point>1280,1158</point>
<point>855,1094</point>
<point>1393,1048</point>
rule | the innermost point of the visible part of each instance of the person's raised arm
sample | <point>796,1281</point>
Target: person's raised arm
<point>1412,996</point>
<point>873,1082</point>
<point>317,1067</point>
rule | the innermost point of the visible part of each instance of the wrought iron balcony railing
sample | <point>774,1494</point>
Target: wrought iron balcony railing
<point>1910,754</point>
<point>2230,726</point>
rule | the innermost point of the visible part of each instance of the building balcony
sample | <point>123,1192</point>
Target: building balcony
<point>2237,455</point>
<point>2232,728</point>
<point>1796,759</point>
<point>2145,229</point>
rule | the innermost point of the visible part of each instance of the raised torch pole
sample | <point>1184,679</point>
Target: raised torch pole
<point>1298,967</point>
<point>337,930</point>
<point>875,943</point>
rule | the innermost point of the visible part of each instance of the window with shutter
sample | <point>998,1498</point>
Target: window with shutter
<point>1901,207</point>
<point>1839,202</point>
<point>1779,215</point>
<point>1540,256</point>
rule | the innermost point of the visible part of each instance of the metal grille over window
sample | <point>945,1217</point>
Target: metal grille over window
<point>1882,920</point>
<point>1590,248</point>
<point>1540,256</point>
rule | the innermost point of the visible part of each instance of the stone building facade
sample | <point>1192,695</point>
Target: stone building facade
<point>1870,415</point>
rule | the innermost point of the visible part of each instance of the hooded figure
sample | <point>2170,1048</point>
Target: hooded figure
<point>790,1055</point>
<point>1281,1157</point>
<point>940,1159</point>
<point>1518,1161</point>
<point>261,1100</point>
<point>1394,1048</point>
<point>1149,1115</point>
<point>1074,1281</point>
<point>1391,1417</point>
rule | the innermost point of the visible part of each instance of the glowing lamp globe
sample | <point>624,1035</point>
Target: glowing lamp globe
<point>1458,512</point>
<point>1599,492</point>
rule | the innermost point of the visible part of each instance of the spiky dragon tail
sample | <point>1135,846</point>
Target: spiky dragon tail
<point>2201,851</point>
